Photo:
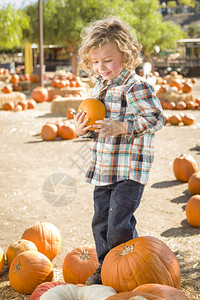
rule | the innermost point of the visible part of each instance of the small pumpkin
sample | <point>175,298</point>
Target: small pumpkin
<point>14,79</point>
<point>18,247</point>
<point>7,89</point>
<point>67,131</point>
<point>188,119</point>
<point>75,292</point>
<point>28,270</point>
<point>187,87</point>
<point>193,211</point>
<point>40,94</point>
<point>180,105</point>
<point>194,183</point>
<point>184,166</point>
<point>176,82</point>
<point>151,291</point>
<point>49,132</point>
<point>2,259</point>
<point>79,264</point>
<point>175,119</point>
<point>31,103</point>
<point>23,104</point>
<point>9,105</point>
<point>44,287</point>
<point>69,113</point>
<point>139,261</point>
<point>95,110</point>
<point>46,237</point>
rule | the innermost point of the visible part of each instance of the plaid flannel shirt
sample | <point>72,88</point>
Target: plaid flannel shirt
<point>126,98</point>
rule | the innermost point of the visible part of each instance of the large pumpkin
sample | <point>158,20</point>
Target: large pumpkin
<point>140,261</point>
<point>18,247</point>
<point>40,94</point>
<point>151,291</point>
<point>95,110</point>
<point>46,237</point>
<point>194,183</point>
<point>28,270</point>
<point>44,287</point>
<point>67,131</point>
<point>74,292</point>
<point>184,166</point>
<point>49,132</point>
<point>193,211</point>
<point>2,259</point>
<point>79,264</point>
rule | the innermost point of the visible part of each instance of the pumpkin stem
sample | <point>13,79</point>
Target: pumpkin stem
<point>85,255</point>
<point>127,249</point>
<point>18,267</point>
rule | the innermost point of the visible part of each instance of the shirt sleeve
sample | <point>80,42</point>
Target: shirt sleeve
<point>88,135</point>
<point>144,111</point>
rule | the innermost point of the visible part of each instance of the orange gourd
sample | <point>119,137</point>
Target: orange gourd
<point>175,119</point>
<point>67,131</point>
<point>69,113</point>
<point>79,264</point>
<point>28,270</point>
<point>31,103</point>
<point>180,105</point>
<point>95,110</point>
<point>7,89</point>
<point>176,82</point>
<point>187,87</point>
<point>184,166</point>
<point>193,211</point>
<point>23,104</point>
<point>18,247</point>
<point>194,183</point>
<point>139,261</point>
<point>49,132</point>
<point>40,94</point>
<point>2,259</point>
<point>151,291</point>
<point>46,237</point>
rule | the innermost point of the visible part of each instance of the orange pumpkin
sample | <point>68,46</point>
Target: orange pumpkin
<point>193,211</point>
<point>67,131</point>
<point>151,291</point>
<point>188,119</point>
<point>44,287</point>
<point>40,94</point>
<point>176,82</point>
<point>46,237</point>
<point>79,264</point>
<point>18,107</point>
<point>180,105</point>
<point>8,105</point>
<point>31,103</point>
<point>69,113</point>
<point>14,79</point>
<point>170,105</point>
<point>2,259</point>
<point>49,132</point>
<point>7,89</point>
<point>184,166</point>
<point>95,110</point>
<point>18,247</point>
<point>23,104</point>
<point>28,270</point>
<point>139,261</point>
<point>187,87</point>
<point>34,78</point>
<point>175,119</point>
<point>194,183</point>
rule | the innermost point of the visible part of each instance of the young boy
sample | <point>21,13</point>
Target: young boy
<point>123,149</point>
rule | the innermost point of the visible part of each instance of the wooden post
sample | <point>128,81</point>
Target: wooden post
<point>40,12</point>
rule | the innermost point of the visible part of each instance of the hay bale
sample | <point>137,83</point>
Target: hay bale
<point>60,106</point>
<point>14,97</point>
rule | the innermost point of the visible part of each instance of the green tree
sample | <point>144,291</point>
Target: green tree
<point>12,24</point>
<point>150,29</point>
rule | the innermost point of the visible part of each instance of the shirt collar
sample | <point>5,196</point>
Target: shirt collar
<point>120,79</point>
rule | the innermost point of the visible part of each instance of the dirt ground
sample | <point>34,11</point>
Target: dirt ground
<point>27,164</point>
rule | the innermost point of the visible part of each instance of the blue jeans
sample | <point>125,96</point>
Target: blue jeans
<point>113,222</point>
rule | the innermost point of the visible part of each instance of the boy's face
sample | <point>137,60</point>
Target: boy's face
<point>107,61</point>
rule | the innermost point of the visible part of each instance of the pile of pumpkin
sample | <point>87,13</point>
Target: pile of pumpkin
<point>59,129</point>
<point>175,92</point>
<point>20,105</point>
<point>63,79</point>
<point>144,267</point>
<point>185,169</point>
<point>179,118</point>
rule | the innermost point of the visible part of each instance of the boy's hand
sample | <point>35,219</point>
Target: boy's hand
<point>107,127</point>
<point>80,126</point>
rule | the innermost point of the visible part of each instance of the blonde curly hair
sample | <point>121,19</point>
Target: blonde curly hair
<point>111,29</point>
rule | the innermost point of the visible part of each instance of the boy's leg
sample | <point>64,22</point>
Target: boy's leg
<point>100,220</point>
<point>124,200</point>
<point>99,227</point>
